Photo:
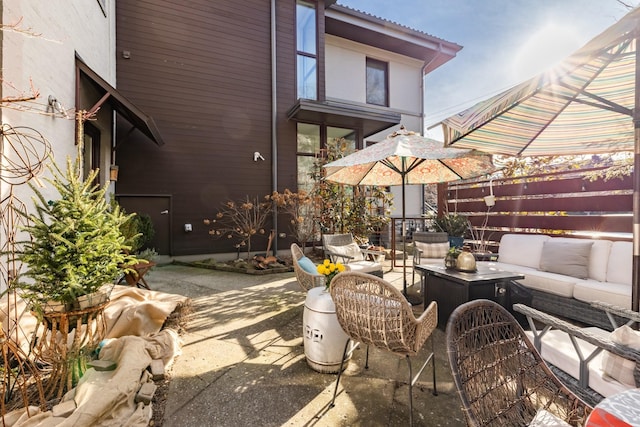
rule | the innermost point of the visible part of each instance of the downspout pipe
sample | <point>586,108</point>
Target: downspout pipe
<point>274,133</point>
<point>423,88</point>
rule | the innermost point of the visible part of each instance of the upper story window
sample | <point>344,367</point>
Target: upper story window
<point>306,46</point>
<point>377,82</point>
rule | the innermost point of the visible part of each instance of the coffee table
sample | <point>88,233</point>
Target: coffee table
<point>451,288</point>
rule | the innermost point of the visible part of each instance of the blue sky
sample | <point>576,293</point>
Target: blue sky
<point>504,41</point>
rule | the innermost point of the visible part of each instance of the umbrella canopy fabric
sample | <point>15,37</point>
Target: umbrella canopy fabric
<point>589,103</point>
<point>583,104</point>
<point>406,157</point>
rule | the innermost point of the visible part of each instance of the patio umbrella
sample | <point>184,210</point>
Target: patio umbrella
<point>589,103</point>
<point>405,157</point>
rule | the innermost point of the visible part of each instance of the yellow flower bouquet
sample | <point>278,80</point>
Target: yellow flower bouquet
<point>329,270</point>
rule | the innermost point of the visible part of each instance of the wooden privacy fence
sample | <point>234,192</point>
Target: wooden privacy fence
<point>564,204</point>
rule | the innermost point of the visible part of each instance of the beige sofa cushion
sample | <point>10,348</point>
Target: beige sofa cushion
<point>522,249</point>
<point>566,257</point>
<point>552,283</point>
<point>364,266</point>
<point>351,250</point>
<point>598,258</point>
<point>620,263</point>
<point>613,293</point>
<point>558,350</point>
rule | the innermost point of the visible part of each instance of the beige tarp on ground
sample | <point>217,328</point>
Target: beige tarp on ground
<point>134,318</point>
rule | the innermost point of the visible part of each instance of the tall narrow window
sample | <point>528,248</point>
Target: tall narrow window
<point>377,83</point>
<point>306,37</point>
<point>308,148</point>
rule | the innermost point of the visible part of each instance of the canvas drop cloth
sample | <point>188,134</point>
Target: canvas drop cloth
<point>134,318</point>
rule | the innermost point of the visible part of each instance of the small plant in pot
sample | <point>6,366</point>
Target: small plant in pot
<point>454,225</point>
<point>75,248</point>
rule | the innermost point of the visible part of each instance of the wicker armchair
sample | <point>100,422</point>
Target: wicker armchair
<point>372,311</point>
<point>425,237</point>
<point>343,248</point>
<point>500,377</point>
<point>305,280</point>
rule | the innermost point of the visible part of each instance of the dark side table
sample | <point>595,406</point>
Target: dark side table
<point>451,288</point>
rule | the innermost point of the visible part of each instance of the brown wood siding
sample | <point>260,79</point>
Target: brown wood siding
<point>202,70</point>
<point>555,204</point>
<point>286,98</point>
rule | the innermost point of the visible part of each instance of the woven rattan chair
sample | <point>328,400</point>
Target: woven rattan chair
<point>500,377</point>
<point>364,265</point>
<point>425,237</point>
<point>372,311</point>
<point>305,280</point>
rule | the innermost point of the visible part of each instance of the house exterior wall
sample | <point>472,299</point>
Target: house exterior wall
<point>42,55</point>
<point>346,74</point>
<point>346,80</point>
<point>203,72</point>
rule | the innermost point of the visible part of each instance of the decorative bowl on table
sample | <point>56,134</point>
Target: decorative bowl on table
<point>466,262</point>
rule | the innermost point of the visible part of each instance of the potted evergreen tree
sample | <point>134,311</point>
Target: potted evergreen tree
<point>76,247</point>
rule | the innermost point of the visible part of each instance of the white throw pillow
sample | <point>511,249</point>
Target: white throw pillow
<point>618,367</point>
<point>432,250</point>
<point>350,250</point>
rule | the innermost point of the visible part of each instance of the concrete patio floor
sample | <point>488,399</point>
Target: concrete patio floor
<point>243,362</point>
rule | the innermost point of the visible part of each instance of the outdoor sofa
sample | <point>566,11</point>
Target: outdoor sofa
<point>586,283</point>
<point>593,362</point>
<point>565,275</point>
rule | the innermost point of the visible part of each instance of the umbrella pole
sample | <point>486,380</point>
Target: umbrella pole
<point>413,299</point>
<point>404,238</point>
<point>635,288</point>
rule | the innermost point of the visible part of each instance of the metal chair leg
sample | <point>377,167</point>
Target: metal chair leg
<point>366,361</point>
<point>344,356</point>
<point>433,365</point>
<point>412,380</point>
<point>410,392</point>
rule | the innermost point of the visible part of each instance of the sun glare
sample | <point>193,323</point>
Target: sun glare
<point>545,48</point>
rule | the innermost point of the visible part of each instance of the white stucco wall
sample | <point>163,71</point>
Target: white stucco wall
<point>346,80</point>
<point>40,54</point>
<point>346,74</point>
<point>44,59</point>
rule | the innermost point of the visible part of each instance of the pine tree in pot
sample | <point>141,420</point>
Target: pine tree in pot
<point>75,247</point>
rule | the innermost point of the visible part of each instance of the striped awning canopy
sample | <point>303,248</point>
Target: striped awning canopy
<point>583,105</point>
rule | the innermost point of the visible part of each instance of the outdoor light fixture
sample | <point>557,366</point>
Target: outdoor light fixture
<point>490,200</point>
<point>113,173</point>
<point>55,106</point>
